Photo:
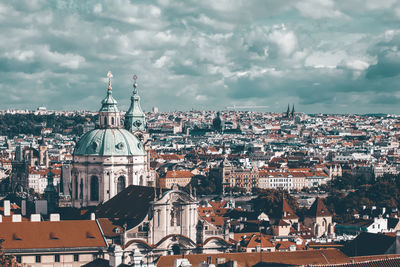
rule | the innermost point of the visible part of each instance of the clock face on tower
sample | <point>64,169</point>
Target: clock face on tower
<point>137,123</point>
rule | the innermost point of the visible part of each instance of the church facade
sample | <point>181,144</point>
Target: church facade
<point>109,158</point>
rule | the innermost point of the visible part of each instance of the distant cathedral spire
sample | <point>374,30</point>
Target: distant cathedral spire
<point>288,111</point>
<point>292,113</point>
<point>135,120</point>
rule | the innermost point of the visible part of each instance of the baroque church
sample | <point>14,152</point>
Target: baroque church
<point>113,156</point>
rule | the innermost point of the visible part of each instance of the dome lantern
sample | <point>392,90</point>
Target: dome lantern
<point>109,116</point>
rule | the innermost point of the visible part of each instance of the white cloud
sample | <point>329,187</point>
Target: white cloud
<point>19,55</point>
<point>317,9</point>
<point>68,60</point>
<point>201,98</point>
<point>160,62</point>
<point>357,65</point>
<point>329,59</point>
<point>286,40</point>
<point>381,4</point>
<point>97,8</point>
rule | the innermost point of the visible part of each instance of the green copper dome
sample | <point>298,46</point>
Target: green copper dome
<point>109,142</point>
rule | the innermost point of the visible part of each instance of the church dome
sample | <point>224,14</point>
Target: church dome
<point>109,142</point>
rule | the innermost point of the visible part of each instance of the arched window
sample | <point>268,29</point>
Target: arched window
<point>81,190</point>
<point>105,121</point>
<point>176,250</point>
<point>120,184</point>
<point>76,187</point>
<point>141,182</point>
<point>94,188</point>
<point>112,120</point>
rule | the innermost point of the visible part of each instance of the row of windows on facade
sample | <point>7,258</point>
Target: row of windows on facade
<point>112,121</point>
<point>38,258</point>
<point>94,187</point>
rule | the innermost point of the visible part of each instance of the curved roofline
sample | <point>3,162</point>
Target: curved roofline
<point>164,194</point>
<point>172,235</point>
<point>216,238</point>
<point>109,142</point>
<point>130,242</point>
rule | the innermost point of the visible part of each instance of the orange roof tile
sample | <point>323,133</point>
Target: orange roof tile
<point>250,259</point>
<point>46,234</point>
<point>179,174</point>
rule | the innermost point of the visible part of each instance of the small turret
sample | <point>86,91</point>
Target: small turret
<point>135,120</point>
<point>50,192</point>
<point>109,116</point>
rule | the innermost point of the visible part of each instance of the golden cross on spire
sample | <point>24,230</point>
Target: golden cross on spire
<point>135,78</point>
<point>109,75</point>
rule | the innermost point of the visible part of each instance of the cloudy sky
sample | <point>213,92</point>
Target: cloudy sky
<point>321,55</point>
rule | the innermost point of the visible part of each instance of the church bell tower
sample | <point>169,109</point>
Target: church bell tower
<point>135,120</point>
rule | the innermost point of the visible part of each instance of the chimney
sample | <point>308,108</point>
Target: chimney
<point>23,207</point>
<point>35,217</point>
<point>55,217</point>
<point>116,254</point>
<point>92,216</point>
<point>16,218</point>
<point>7,208</point>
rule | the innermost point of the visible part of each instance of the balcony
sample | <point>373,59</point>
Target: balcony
<point>142,235</point>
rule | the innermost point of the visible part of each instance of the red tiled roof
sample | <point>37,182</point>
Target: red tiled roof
<point>47,234</point>
<point>318,209</point>
<point>250,259</point>
<point>262,241</point>
<point>287,212</point>
<point>179,174</point>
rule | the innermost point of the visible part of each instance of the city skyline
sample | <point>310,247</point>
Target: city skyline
<point>322,56</point>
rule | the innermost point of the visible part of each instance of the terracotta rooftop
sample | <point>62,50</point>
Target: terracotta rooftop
<point>318,209</point>
<point>50,234</point>
<point>249,259</point>
<point>287,212</point>
<point>179,174</point>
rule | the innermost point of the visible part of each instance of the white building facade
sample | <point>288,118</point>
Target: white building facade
<point>107,159</point>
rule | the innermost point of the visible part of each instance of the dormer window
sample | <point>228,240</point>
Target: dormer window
<point>89,235</point>
<point>53,236</point>
<point>16,237</point>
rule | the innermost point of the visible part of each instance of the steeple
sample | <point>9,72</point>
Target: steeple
<point>135,120</point>
<point>109,116</point>
<point>50,192</point>
<point>287,111</point>
<point>292,113</point>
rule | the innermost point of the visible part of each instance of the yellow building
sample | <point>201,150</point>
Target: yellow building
<point>181,178</point>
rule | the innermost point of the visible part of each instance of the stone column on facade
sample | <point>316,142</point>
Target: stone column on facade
<point>167,219</point>
<point>112,184</point>
<point>85,189</point>
<point>188,220</point>
<point>101,186</point>
<point>184,224</point>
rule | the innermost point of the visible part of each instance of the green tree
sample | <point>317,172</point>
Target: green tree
<point>6,260</point>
